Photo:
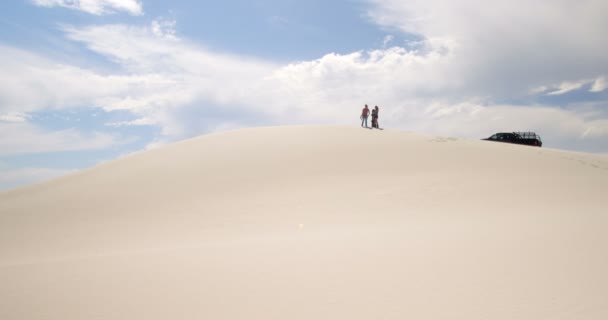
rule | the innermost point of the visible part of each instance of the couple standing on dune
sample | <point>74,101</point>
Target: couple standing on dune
<point>365,114</point>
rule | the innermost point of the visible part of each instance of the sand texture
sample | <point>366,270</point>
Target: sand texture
<point>313,223</point>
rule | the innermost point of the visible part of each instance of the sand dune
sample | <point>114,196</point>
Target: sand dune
<point>313,223</point>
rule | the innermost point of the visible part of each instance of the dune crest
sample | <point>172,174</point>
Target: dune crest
<point>313,222</point>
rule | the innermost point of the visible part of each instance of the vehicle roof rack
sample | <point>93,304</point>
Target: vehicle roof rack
<point>528,135</point>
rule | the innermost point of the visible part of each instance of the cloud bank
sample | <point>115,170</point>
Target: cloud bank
<point>479,68</point>
<point>503,49</point>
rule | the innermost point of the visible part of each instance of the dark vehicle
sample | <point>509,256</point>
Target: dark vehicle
<point>527,138</point>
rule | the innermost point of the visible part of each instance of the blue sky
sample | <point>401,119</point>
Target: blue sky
<point>83,82</point>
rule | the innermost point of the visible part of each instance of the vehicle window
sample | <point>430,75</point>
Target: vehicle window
<point>494,137</point>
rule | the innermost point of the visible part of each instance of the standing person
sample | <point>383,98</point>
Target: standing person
<point>377,115</point>
<point>374,118</point>
<point>364,115</point>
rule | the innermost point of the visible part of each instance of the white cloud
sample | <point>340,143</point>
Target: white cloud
<point>448,84</point>
<point>539,90</point>
<point>22,138</point>
<point>96,7</point>
<point>137,122</point>
<point>505,48</point>
<point>325,90</point>
<point>30,83</point>
<point>190,74</point>
<point>471,57</point>
<point>164,28</point>
<point>414,93</point>
<point>599,85</point>
<point>566,87</point>
<point>14,117</point>
<point>387,39</point>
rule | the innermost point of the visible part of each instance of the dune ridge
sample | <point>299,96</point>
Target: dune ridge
<point>313,222</point>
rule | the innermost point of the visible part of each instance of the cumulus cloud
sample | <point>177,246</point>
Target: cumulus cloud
<point>472,57</point>
<point>30,83</point>
<point>506,48</point>
<point>189,74</point>
<point>96,7</point>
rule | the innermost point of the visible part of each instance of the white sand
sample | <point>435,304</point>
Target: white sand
<point>313,223</point>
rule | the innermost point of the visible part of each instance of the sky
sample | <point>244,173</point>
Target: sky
<point>83,82</point>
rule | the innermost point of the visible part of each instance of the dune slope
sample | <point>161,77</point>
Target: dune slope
<point>313,223</point>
